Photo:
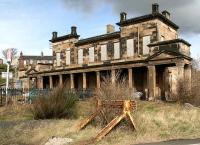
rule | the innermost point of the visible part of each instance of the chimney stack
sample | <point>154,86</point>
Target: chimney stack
<point>155,8</point>
<point>122,16</point>
<point>166,14</point>
<point>42,54</point>
<point>54,35</point>
<point>73,30</point>
<point>110,28</point>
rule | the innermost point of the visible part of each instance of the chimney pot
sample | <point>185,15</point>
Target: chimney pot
<point>122,16</point>
<point>54,35</point>
<point>155,8</point>
<point>110,28</point>
<point>166,14</point>
<point>73,30</point>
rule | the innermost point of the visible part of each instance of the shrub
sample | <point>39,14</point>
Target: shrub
<point>60,103</point>
<point>185,95</point>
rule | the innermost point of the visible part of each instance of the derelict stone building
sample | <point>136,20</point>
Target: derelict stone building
<point>146,49</point>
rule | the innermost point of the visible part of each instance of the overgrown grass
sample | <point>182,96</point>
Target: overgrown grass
<point>154,121</point>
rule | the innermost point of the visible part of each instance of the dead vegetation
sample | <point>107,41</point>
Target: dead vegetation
<point>155,122</point>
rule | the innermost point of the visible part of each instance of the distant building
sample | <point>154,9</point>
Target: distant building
<point>1,61</point>
<point>30,64</point>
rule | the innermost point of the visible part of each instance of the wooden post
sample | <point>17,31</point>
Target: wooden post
<point>98,79</point>
<point>72,81</point>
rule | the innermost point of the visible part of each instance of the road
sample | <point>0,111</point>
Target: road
<point>177,142</point>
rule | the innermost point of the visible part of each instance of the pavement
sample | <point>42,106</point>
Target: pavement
<point>176,142</point>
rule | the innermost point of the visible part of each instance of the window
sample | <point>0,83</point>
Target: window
<point>91,54</point>
<point>130,47</point>
<point>25,62</point>
<point>103,52</point>
<point>80,56</point>
<point>68,57</point>
<point>116,50</point>
<point>146,41</point>
<point>58,59</point>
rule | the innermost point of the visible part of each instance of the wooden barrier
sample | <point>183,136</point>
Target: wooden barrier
<point>125,105</point>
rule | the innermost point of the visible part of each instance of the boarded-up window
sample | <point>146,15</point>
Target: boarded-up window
<point>116,51</point>
<point>146,41</point>
<point>68,57</point>
<point>103,52</point>
<point>58,59</point>
<point>80,56</point>
<point>130,47</point>
<point>91,54</point>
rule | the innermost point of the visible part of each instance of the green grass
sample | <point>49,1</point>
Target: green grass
<point>154,122</point>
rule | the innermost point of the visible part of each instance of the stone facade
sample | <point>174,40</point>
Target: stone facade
<point>147,50</point>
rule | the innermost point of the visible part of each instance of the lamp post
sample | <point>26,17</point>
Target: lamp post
<point>9,56</point>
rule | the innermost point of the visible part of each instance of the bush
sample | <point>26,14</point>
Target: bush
<point>60,103</point>
<point>192,96</point>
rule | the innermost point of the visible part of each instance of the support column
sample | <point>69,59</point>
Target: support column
<point>84,81</point>
<point>180,67</point>
<point>40,82</point>
<point>72,81</point>
<point>113,76</point>
<point>151,79</point>
<point>98,79</point>
<point>51,82</point>
<point>60,80</point>
<point>130,77</point>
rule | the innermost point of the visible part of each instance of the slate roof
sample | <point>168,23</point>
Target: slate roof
<point>146,18</point>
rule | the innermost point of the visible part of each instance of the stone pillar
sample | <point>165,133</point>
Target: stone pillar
<point>84,81</point>
<point>151,80</point>
<point>180,68</point>
<point>113,76</point>
<point>40,82</point>
<point>130,78</point>
<point>60,80</point>
<point>72,81</point>
<point>51,82</point>
<point>98,79</point>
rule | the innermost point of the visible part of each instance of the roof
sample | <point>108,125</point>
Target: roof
<point>36,57</point>
<point>65,37</point>
<point>169,42</point>
<point>98,38</point>
<point>146,18</point>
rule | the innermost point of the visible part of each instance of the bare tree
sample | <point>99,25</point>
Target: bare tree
<point>13,53</point>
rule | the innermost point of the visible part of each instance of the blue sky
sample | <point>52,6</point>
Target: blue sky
<point>27,24</point>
